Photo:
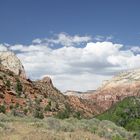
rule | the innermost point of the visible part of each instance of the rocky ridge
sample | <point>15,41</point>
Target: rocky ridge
<point>119,87</point>
<point>22,96</point>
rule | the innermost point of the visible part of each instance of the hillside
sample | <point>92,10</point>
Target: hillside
<point>125,84</point>
<point>125,113</point>
<point>21,96</point>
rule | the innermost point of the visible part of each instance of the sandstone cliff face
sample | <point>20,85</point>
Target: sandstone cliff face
<point>10,61</point>
<point>123,85</point>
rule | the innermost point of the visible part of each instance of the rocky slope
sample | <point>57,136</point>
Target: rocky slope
<point>22,96</point>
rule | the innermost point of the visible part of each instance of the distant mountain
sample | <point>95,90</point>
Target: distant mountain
<point>78,93</point>
<point>119,87</point>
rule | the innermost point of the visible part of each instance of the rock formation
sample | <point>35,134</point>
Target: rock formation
<point>123,85</point>
<point>22,96</point>
<point>10,61</point>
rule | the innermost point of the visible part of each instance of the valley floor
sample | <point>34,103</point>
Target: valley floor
<point>26,131</point>
<point>16,128</point>
<point>23,130</point>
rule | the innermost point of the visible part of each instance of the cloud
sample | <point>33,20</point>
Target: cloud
<point>103,38</point>
<point>74,67</point>
<point>135,49</point>
<point>64,40</point>
<point>3,47</point>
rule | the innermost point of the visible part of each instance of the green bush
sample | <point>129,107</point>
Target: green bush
<point>66,113</point>
<point>16,105</point>
<point>48,106</point>
<point>2,109</point>
<point>25,111</point>
<point>1,77</point>
<point>38,114</point>
<point>117,138</point>
<point>133,125</point>
<point>18,87</point>
<point>11,106</point>
<point>63,114</point>
<point>38,101</point>
<point>77,115</point>
<point>8,83</point>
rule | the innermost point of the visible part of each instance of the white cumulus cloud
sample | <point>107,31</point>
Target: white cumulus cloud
<point>74,67</point>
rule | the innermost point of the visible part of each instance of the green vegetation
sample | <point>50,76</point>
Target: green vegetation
<point>63,114</point>
<point>8,84</point>
<point>25,111</point>
<point>11,106</point>
<point>57,129</point>
<point>125,113</point>
<point>18,87</point>
<point>16,105</point>
<point>48,106</point>
<point>1,77</point>
<point>37,101</point>
<point>38,113</point>
<point>66,113</point>
<point>2,109</point>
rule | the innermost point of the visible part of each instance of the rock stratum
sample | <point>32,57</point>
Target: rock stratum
<point>119,87</point>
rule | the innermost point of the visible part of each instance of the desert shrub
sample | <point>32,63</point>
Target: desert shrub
<point>109,130</point>
<point>1,77</point>
<point>16,105</point>
<point>2,109</point>
<point>29,80</point>
<point>117,138</point>
<point>48,106</point>
<point>25,111</point>
<point>53,123</point>
<point>67,127</point>
<point>10,73</point>
<point>37,101</point>
<point>18,87</point>
<point>2,125</point>
<point>59,125</point>
<point>133,125</point>
<point>63,114</point>
<point>66,113</point>
<point>77,115</point>
<point>8,84</point>
<point>38,114</point>
<point>11,106</point>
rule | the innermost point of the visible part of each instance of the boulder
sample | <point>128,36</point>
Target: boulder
<point>10,61</point>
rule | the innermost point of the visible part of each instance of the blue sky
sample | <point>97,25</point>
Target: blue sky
<point>24,20</point>
<point>78,43</point>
